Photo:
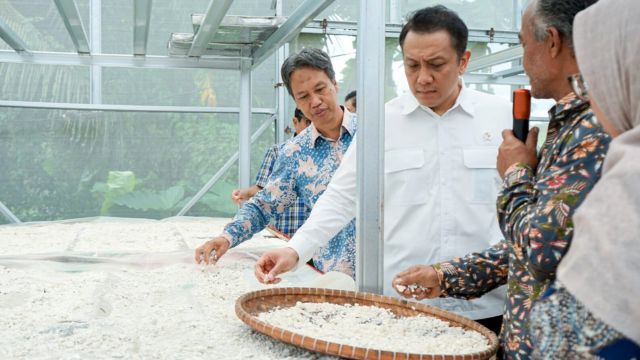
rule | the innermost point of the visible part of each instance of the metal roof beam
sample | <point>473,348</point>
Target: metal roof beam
<point>110,60</point>
<point>130,108</point>
<point>11,38</point>
<point>141,19</point>
<point>500,57</point>
<point>350,28</point>
<point>72,21</point>
<point>482,78</point>
<point>287,31</point>
<point>516,70</point>
<point>209,27</point>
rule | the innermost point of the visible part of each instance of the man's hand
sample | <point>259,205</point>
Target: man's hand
<point>275,262</point>
<point>217,247</point>
<point>238,196</point>
<point>513,151</point>
<point>419,282</point>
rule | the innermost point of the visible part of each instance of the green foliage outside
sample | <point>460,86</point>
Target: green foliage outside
<point>61,164</point>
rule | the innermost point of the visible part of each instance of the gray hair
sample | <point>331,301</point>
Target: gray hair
<point>308,57</point>
<point>558,14</point>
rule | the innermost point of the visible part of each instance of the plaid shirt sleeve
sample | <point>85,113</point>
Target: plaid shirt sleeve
<point>256,213</point>
<point>267,166</point>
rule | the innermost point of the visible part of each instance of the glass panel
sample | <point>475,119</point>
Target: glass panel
<point>39,24</point>
<point>45,83</point>
<point>4,46</point>
<point>477,14</point>
<point>186,87</point>
<point>263,80</point>
<point>117,27</point>
<point>177,87</point>
<point>262,144</point>
<point>338,11</point>
<point>251,8</point>
<point>68,164</point>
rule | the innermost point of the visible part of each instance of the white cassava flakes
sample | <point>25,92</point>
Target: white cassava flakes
<point>375,328</point>
<point>153,302</point>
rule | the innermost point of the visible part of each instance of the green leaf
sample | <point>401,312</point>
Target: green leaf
<point>151,200</point>
<point>121,182</point>
<point>100,187</point>
<point>218,198</point>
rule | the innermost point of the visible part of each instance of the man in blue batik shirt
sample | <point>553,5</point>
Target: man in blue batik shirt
<point>304,166</point>
<point>294,216</point>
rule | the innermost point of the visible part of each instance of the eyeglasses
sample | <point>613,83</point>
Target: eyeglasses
<point>579,86</point>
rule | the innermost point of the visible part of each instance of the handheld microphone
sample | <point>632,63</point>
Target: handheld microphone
<point>521,112</point>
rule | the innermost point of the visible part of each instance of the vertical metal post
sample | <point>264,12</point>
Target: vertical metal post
<point>394,12</point>
<point>245,123</point>
<point>518,8</point>
<point>282,98</point>
<point>281,93</point>
<point>370,177</point>
<point>95,24</point>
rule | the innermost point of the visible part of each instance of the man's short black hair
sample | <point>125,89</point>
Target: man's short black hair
<point>351,95</point>
<point>436,18</point>
<point>298,114</point>
<point>306,58</point>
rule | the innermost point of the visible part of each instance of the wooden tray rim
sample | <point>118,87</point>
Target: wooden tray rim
<point>354,352</point>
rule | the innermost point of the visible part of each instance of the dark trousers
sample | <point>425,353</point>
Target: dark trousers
<point>493,323</point>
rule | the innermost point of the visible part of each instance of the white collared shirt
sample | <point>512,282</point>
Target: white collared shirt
<point>440,185</point>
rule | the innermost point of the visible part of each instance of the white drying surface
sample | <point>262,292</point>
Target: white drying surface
<point>142,305</point>
<point>375,328</point>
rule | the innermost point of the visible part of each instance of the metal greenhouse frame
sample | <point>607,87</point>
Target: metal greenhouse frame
<point>371,31</point>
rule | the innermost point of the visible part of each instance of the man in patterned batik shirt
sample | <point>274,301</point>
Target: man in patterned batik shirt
<point>540,192</point>
<point>304,166</point>
<point>290,220</point>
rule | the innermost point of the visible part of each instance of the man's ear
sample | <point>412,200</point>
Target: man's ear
<point>553,42</point>
<point>464,62</point>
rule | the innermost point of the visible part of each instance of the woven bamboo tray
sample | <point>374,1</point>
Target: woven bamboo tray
<point>249,305</point>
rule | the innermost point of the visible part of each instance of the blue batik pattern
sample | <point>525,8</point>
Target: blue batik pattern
<point>302,170</point>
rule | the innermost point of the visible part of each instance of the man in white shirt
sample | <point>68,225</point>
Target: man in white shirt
<point>441,143</point>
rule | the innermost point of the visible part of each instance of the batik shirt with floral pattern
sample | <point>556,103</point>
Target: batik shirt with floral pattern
<point>292,218</point>
<point>302,170</point>
<point>534,210</point>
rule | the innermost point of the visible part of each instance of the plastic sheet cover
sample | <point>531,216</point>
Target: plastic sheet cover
<point>129,288</point>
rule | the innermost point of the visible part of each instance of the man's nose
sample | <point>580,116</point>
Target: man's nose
<point>425,76</point>
<point>315,100</point>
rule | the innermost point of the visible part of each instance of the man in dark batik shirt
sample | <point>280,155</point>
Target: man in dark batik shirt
<point>540,191</point>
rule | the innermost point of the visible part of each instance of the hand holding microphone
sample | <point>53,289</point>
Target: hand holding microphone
<point>518,146</point>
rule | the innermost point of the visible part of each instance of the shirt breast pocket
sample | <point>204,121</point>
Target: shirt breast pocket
<point>483,181</point>
<point>406,180</point>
